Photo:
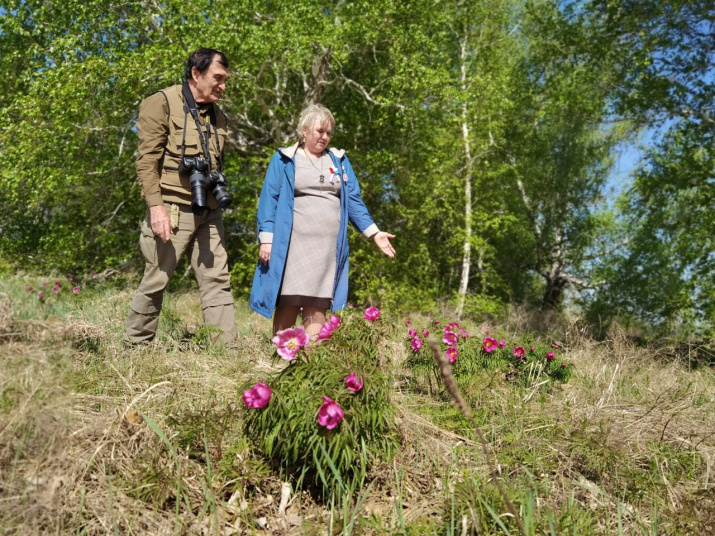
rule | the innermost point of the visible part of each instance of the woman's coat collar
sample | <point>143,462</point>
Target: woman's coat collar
<point>289,152</point>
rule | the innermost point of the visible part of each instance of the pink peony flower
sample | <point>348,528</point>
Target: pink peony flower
<point>463,333</point>
<point>411,333</point>
<point>532,348</point>
<point>416,344</point>
<point>372,313</point>
<point>56,290</point>
<point>408,322</point>
<point>554,346</point>
<point>330,413</point>
<point>563,364</point>
<point>289,341</point>
<point>502,344</point>
<point>334,322</point>
<point>75,290</point>
<point>425,333</point>
<point>519,351</point>
<point>257,396</point>
<point>353,383</point>
<point>436,322</point>
<point>451,354</point>
<point>450,338</point>
<point>489,344</point>
<point>40,295</point>
<point>550,355</point>
<point>58,284</point>
<point>325,332</point>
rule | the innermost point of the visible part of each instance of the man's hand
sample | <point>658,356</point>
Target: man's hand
<point>382,239</point>
<point>265,253</point>
<point>160,222</point>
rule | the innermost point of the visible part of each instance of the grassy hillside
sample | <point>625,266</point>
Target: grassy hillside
<point>97,439</point>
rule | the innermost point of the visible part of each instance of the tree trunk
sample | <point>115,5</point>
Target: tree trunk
<point>466,255</point>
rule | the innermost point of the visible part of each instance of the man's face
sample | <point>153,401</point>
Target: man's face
<point>209,85</point>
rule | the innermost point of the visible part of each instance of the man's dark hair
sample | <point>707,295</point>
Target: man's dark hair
<point>202,60</point>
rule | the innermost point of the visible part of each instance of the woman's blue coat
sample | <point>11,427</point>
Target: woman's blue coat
<point>275,216</point>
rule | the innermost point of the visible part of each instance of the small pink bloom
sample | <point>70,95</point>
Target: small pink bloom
<point>532,348</point>
<point>563,364</point>
<point>519,351</point>
<point>28,288</point>
<point>44,283</point>
<point>325,332</point>
<point>372,313</point>
<point>350,305</point>
<point>40,295</point>
<point>334,322</point>
<point>502,344</point>
<point>550,355</point>
<point>450,338</point>
<point>416,344</point>
<point>257,396</point>
<point>408,322</point>
<point>425,333</point>
<point>436,322</point>
<point>451,354</point>
<point>289,341</point>
<point>554,346</point>
<point>56,290</point>
<point>330,413</point>
<point>75,290</point>
<point>572,364</point>
<point>58,284</point>
<point>411,333</point>
<point>353,383</point>
<point>489,344</point>
<point>95,275</point>
<point>463,333</point>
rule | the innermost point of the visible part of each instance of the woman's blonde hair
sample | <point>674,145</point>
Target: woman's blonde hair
<point>310,114</point>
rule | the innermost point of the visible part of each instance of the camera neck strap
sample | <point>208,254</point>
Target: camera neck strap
<point>190,108</point>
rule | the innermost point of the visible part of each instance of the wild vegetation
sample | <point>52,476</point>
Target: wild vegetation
<point>98,439</point>
<point>573,390</point>
<point>484,135</point>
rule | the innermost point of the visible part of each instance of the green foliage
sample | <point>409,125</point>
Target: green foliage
<point>524,362</point>
<point>287,430</point>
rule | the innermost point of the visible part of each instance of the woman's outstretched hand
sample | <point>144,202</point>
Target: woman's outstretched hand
<point>382,239</point>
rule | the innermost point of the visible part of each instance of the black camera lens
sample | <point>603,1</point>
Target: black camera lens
<point>219,182</point>
<point>198,193</point>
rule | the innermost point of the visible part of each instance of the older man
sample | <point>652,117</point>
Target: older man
<point>182,134</point>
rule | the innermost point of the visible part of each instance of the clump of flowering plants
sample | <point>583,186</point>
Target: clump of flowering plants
<point>329,415</point>
<point>519,360</point>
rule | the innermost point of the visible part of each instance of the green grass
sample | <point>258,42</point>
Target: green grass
<point>627,446</point>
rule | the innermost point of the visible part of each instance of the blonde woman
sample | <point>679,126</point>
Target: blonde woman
<point>309,194</point>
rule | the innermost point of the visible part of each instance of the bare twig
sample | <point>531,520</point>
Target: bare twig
<point>453,390</point>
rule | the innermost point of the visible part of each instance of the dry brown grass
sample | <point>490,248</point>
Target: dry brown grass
<point>76,455</point>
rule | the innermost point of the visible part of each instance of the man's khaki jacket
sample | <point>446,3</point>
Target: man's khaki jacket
<point>161,129</point>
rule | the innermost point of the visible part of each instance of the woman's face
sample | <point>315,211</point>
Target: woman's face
<point>318,136</point>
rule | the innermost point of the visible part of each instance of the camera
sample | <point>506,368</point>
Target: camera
<point>202,180</point>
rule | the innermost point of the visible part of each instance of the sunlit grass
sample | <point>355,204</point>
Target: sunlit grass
<point>95,438</point>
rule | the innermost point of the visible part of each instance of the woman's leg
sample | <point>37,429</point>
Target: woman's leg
<point>313,320</point>
<point>284,317</point>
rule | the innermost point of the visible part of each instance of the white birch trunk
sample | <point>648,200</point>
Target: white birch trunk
<point>466,254</point>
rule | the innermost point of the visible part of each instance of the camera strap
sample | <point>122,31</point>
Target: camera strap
<point>190,108</point>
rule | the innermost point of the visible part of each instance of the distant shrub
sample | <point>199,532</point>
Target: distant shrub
<point>328,414</point>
